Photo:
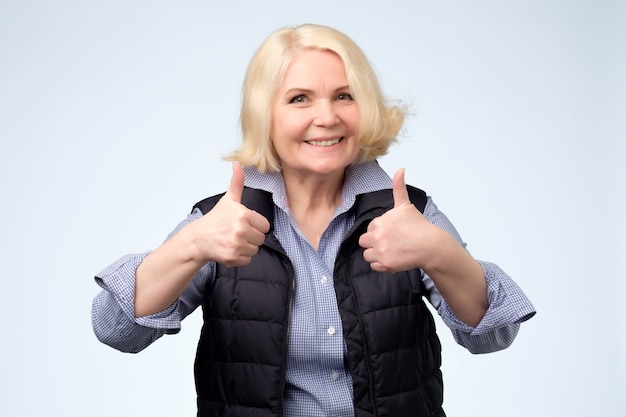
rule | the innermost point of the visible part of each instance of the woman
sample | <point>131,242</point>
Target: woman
<point>312,268</point>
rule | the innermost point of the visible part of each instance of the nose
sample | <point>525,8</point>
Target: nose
<point>325,114</point>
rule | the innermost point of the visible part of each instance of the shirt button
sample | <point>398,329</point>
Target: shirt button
<point>324,279</point>
<point>331,330</point>
<point>334,375</point>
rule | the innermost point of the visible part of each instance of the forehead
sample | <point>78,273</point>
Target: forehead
<point>309,65</point>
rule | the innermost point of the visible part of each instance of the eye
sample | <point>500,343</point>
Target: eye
<point>345,96</point>
<point>298,99</point>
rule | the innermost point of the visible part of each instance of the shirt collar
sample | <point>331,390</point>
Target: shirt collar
<point>362,178</point>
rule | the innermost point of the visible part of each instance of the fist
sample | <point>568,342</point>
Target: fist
<point>399,239</point>
<point>231,233</point>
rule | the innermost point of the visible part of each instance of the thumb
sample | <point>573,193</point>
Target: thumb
<point>400,193</point>
<point>235,188</point>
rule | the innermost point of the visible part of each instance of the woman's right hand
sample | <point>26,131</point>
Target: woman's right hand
<point>230,233</point>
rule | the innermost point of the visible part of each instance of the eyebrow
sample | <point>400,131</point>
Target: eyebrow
<point>308,91</point>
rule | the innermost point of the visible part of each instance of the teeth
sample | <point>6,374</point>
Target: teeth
<point>324,142</point>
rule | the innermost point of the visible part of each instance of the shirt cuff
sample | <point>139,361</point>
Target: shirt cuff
<point>508,305</point>
<point>119,280</point>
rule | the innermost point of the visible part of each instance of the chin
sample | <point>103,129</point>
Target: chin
<point>330,169</point>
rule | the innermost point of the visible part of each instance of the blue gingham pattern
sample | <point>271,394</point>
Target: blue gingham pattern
<point>318,383</point>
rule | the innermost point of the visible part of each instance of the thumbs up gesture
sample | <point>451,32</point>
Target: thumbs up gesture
<point>231,233</point>
<point>401,238</point>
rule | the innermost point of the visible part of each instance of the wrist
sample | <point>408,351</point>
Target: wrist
<point>442,253</point>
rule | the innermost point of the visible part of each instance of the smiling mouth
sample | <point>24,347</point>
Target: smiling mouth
<point>323,143</point>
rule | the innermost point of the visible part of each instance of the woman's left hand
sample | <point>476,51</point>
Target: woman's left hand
<point>402,238</point>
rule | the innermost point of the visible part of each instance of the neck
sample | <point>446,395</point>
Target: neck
<point>308,193</point>
<point>313,201</point>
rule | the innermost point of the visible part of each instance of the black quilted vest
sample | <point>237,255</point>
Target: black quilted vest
<point>394,354</point>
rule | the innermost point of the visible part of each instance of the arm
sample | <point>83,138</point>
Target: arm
<point>458,277</point>
<point>508,305</point>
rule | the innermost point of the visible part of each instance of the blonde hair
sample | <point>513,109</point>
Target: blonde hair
<point>379,122</point>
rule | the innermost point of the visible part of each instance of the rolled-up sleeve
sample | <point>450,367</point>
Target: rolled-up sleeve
<point>508,308</point>
<point>113,314</point>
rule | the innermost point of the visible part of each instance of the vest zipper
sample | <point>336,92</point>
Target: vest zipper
<point>365,346</point>
<point>283,377</point>
<point>290,292</point>
<point>357,225</point>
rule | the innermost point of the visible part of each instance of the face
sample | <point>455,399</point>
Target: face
<point>314,118</point>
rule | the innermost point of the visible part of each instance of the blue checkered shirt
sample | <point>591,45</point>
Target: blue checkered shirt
<point>318,383</point>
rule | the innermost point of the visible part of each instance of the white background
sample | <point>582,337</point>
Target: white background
<point>114,116</point>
